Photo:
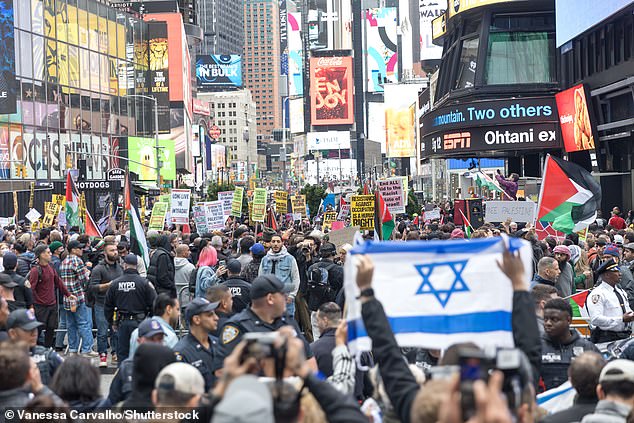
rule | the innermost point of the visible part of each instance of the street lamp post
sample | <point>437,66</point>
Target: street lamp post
<point>156,135</point>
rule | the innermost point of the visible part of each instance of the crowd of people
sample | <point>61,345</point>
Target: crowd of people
<point>249,326</point>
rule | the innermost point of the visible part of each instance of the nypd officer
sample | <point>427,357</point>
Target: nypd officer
<point>609,310</point>
<point>132,296</point>
<point>22,327</point>
<point>267,313</point>
<point>150,331</point>
<point>199,347</point>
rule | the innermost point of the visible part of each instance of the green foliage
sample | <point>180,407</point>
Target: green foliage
<point>413,206</point>
<point>314,194</point>
<point>214,189</point>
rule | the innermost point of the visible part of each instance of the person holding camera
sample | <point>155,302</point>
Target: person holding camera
<point>199,348</point>
<point>266,314</point>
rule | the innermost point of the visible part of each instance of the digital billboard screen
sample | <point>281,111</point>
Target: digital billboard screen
<point>574,119</point>
<point>331,89</point>
<point>8,103</point>
<point>213,71</point>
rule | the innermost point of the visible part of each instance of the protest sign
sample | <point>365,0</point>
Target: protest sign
<point>215,215</point>
<point>157,219</point>
<point>180,206</point>
<point>200,218</point>
<point>59,199</point>
<point>6,221</point>
<point>165,198</point>
<point>33,215</point>
<point>281,202</point>
<point>227,198</point>
<point>392,192</point>
<point>436,295</point>
<point>362,211</point>
<point>337,224</point>
<point>344,210</point>
<point>236,203</point>
<point>433,214</point>
<point>50,213</point>
<point>343,236</point>
<point>297,216</point>
<point>517,211</point>
<point>259,205</point>
<point>329,217</point>
<point>298,203</point>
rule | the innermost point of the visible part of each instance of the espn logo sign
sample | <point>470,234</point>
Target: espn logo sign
<point>458,140</point>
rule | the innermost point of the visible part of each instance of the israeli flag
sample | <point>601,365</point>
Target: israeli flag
<point>438,293</point>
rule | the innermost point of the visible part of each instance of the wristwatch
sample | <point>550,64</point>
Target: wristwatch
<point>367,292</point>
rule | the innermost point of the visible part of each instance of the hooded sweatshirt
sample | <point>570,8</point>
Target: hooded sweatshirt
<point>182,270</point>
<point>556,358</point>
<point>161,269</point>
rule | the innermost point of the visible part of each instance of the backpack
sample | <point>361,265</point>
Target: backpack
<point>319,290</point>
<point>191,286</point>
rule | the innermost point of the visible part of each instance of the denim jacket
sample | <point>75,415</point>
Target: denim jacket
<point>285,269</point>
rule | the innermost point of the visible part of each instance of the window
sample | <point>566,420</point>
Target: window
<point>521,50</point>
<point>467,64</point>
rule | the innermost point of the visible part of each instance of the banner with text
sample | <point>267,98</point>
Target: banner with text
<point>200,218</point>
<point>362,211</point>
<point>392,192</point>
<point>236,203</point>
<point>215,215</point>
<point>157,219</point>
<point>227,198</point>
<point>281,202</point>
<point>298,203</point>
<point>517,211</point>
<point>259,205</point>
<point>180,206</point>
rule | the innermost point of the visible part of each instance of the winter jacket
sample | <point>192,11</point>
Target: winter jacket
<point>20,397</point>
<point>509,187</point>
<point>103,273</point>
<point>556,358</point>
<point>22,293</point>
<point>565,282</point>
<point>525,331</point>
<point>206,278</point>
<point>581,408</point>
<point>627,282</point>
<point>608,412</point>
<point>538,279</point>
<point>285,269</point>
<point>161,270</point>
<point>25,261</point>
<point>251,270</point>
<point>182,270</point>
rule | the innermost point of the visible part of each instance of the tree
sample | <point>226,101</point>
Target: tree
<point>214,189</point>
<point>314,194</point>
<point>413,206</point>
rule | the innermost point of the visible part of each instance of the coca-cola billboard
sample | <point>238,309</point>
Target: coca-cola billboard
<point>331,91</point>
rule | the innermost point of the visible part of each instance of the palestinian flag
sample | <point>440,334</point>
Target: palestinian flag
<point>72,204</point>
<point>383,222</point>
<point>481,180</point>
<point>92,229</point>
<point>138,243</point>
<point>569,197</point>
<point>271,220</point>
<point>578,304</point>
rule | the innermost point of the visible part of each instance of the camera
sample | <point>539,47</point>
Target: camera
<point>477,365</point>
<point>259,345</point>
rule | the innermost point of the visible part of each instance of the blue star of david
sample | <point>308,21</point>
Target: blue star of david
<point>442,295</point>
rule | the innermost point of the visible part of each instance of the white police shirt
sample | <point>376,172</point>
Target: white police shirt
<point>606,310</point>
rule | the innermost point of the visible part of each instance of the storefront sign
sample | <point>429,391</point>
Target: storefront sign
<point>116,174</point>
<point>90,185</point>
<point>574,119</point>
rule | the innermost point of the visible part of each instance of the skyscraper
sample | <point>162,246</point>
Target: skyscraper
<point>262,61</point>
<point>221,21</point>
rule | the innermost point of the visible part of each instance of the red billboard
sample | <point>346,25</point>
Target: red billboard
<point>574,119</point>
<point>331,91</point>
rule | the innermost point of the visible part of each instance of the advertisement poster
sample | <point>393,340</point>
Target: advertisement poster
<point>400,117</point>
<point>281,202</point>
<point>429,10</point>
<point>143,152</point>
<point>227,198</point>
<point>298,204</point>
<point>236,204</point>
<point>8,85</point>
<point>331,88</point>
<point>295,55</point>
<point>362,211</point>
<point>392,193</point>
<point>200,218</point>
<point>159,76</point>
<point>329,140</point>
<point>259,205</point>
<point>215,215</point>
<point>382,57</point>
<point>157,219</point>
<point>574,119</point>
<point>213,71</point>
<point>179,214</point>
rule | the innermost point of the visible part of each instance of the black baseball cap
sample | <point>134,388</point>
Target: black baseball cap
<point>6,281</point>
<point>266,284</point>
<point>150,327</point>
<point>199,306</point>
<point>234,266</point>
<point>75,244</point>
<point>23,319</point>
<point>131,259</point>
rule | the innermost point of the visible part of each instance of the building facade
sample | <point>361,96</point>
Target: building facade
<point>222,23</point>
<point>262,66</point>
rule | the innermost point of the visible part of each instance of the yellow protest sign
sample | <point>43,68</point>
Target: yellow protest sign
<point>236,204</point>
<point>157,219</point>
<point>298,203</point>
<point>50,213</point>
<point>329,217</point>
<point>59,199</point>
<point>362,211</point>
<point>281,202</point>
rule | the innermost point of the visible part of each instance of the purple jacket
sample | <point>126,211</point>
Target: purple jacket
<point>509,187</point>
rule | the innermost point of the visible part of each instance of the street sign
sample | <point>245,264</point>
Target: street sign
<point>116,174</point>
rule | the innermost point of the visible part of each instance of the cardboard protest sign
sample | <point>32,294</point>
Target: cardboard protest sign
<point>215,215</point>
<point>392,192</point>
<point>227,198</point>
<point>157,219</point>
<point>298,203</point>
<point>180,206</point>
<point>200,218</point>
<point>329,217</point>
<point>281,202</point>
<point>259,205</point>
<point>362,211</point>
<point>236,203</point>
<point>343,236</point>
<point>517,211</point>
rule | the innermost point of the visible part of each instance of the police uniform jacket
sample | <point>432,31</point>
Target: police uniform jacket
<point>247,321</point>
<point>189,350</point>
<point>606,310</point>
<point>556,358</point>
<point>121,385</point>
<point>47,361</point>
<point>131,294</point>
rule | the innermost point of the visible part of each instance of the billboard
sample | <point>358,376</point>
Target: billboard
<point>142,158</point>
<point>296,115</point>
<point>381,47</point>
<point>213,71</point>
<point>429,10</point>
<point>330,140</point>
<point>400,117</point>
<point>331,91</point>
<point>295,55</point>
<point>7,59</point>
<point>574,17</point>
<point>574,119</point>
<point>159,74</point>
